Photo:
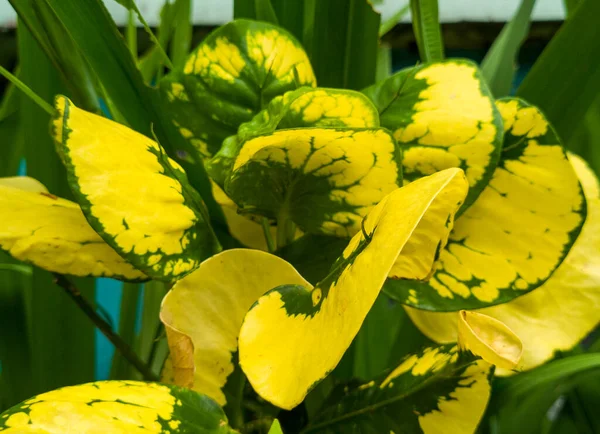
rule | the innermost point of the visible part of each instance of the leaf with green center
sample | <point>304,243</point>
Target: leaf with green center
<point>305,107</point>
<point>325,180</point>
<point>232,75</point>
<point>558,314</point>
<point>132,194</point>
<point>442,115</point>
<point>52,233</point>
<point>519,230</point>
<point>436,390</point>
<point>116,406</point>
<point>204,311</point>
<point>321,322</point>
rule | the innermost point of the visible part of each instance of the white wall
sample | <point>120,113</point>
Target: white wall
<point>220,11</point>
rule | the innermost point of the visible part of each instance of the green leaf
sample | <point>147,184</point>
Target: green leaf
<point>535,180</point>
<point>566,77</point>
<point>112,406</point>
<point>17,383</point>
<point>305,107</point>
<point>61,338</point>
<point>103,47</point>
<point>341,39</point>
<point>233,74</point>
<point>418,104</point>
<point>12,146</point>
<point>389,24</point>
<point>182,36</point>
<point>130,5</point>
<point>290,15</point>
<point>293,174</point>
<point>265,12</point>
<point>57,44</point>
<point>498,66</point>
<point>437,389</point>
<point>275,428</point>
<point>151,63</point>
<point>426,26</point>
<point>120,369</point>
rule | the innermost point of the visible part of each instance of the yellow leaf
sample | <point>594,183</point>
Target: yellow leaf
<point>561,312</point>
<point>52,233</point>
<point>294,335</point>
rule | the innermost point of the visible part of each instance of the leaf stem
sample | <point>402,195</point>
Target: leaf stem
<point>27,91</point>
<point>87,308</point>
<point>266,227</point>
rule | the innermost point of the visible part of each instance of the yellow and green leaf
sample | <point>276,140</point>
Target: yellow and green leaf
<point>325,180</point>
<point>441,389</point>
<point>556,316</point>
<point>204,311</point>
<point>52,233</point>
<point>132,194</point>
<point>129,407</point>
<point>321,322</point>
<point>232,75</point>
<point>302,108</point>
<point>443,115</point>
<point>517,232</point>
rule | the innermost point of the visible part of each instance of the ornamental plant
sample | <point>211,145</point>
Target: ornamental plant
<point>286,215</point>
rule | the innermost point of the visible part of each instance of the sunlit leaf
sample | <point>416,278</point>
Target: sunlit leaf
<point>322,321</point>
<point>203,314</point>
<point>519,229</point>
<point>442,115</point>
<point>146,211</point>
<point>558,314</point>
<point>116,406</point>
<point>232,75</point>
<point>52,233</point>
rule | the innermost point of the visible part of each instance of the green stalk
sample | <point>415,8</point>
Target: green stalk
<point>268,238</point>
<point>89,310</point>
<point>27,91</point>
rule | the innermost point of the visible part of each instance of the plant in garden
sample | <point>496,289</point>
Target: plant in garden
<point>278,211</point>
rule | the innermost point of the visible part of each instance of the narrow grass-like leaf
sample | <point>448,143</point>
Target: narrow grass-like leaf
<point>265,12</point>
<point>341,39</point>
<point>426,26</point>
<point>11,146</point>
<point>389,24</point>
<point>151,63</point>
<point>565,80</point>
<point>498,66</point>
<point>56,43</point>
<point>121,369</point>
<point>182,36</point>
<point>61,337</point>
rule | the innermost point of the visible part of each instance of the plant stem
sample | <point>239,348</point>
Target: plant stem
<point>268,238</point>
<point>286,228</point>
<point>104,327</point>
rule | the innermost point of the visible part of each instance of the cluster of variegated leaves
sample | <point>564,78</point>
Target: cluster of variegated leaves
<point>389,168</point>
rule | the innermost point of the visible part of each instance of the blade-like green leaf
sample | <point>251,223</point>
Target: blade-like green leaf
<point>389,24</point>
<point>341,40</point>
<point>265,12</point>
<point>102,45</point>
<point>61,337</point>
<point>498,66</point>
<point>118,406</point>
<point>151,63</point>
<point>182,36</point>
<point>426,26</point>
<point>56,43</point>
<point>565,80</point>
<point>11,146</point>
<point>120,369</point>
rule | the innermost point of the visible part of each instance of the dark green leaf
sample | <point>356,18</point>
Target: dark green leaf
<point>61,337</point>
<point>426,26</point>
<point>182,37</point>
<point>265,12</point>
<point>498,66</point>
<point>121,369</point>
<point>565,80</point>
<point>341,39</point>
